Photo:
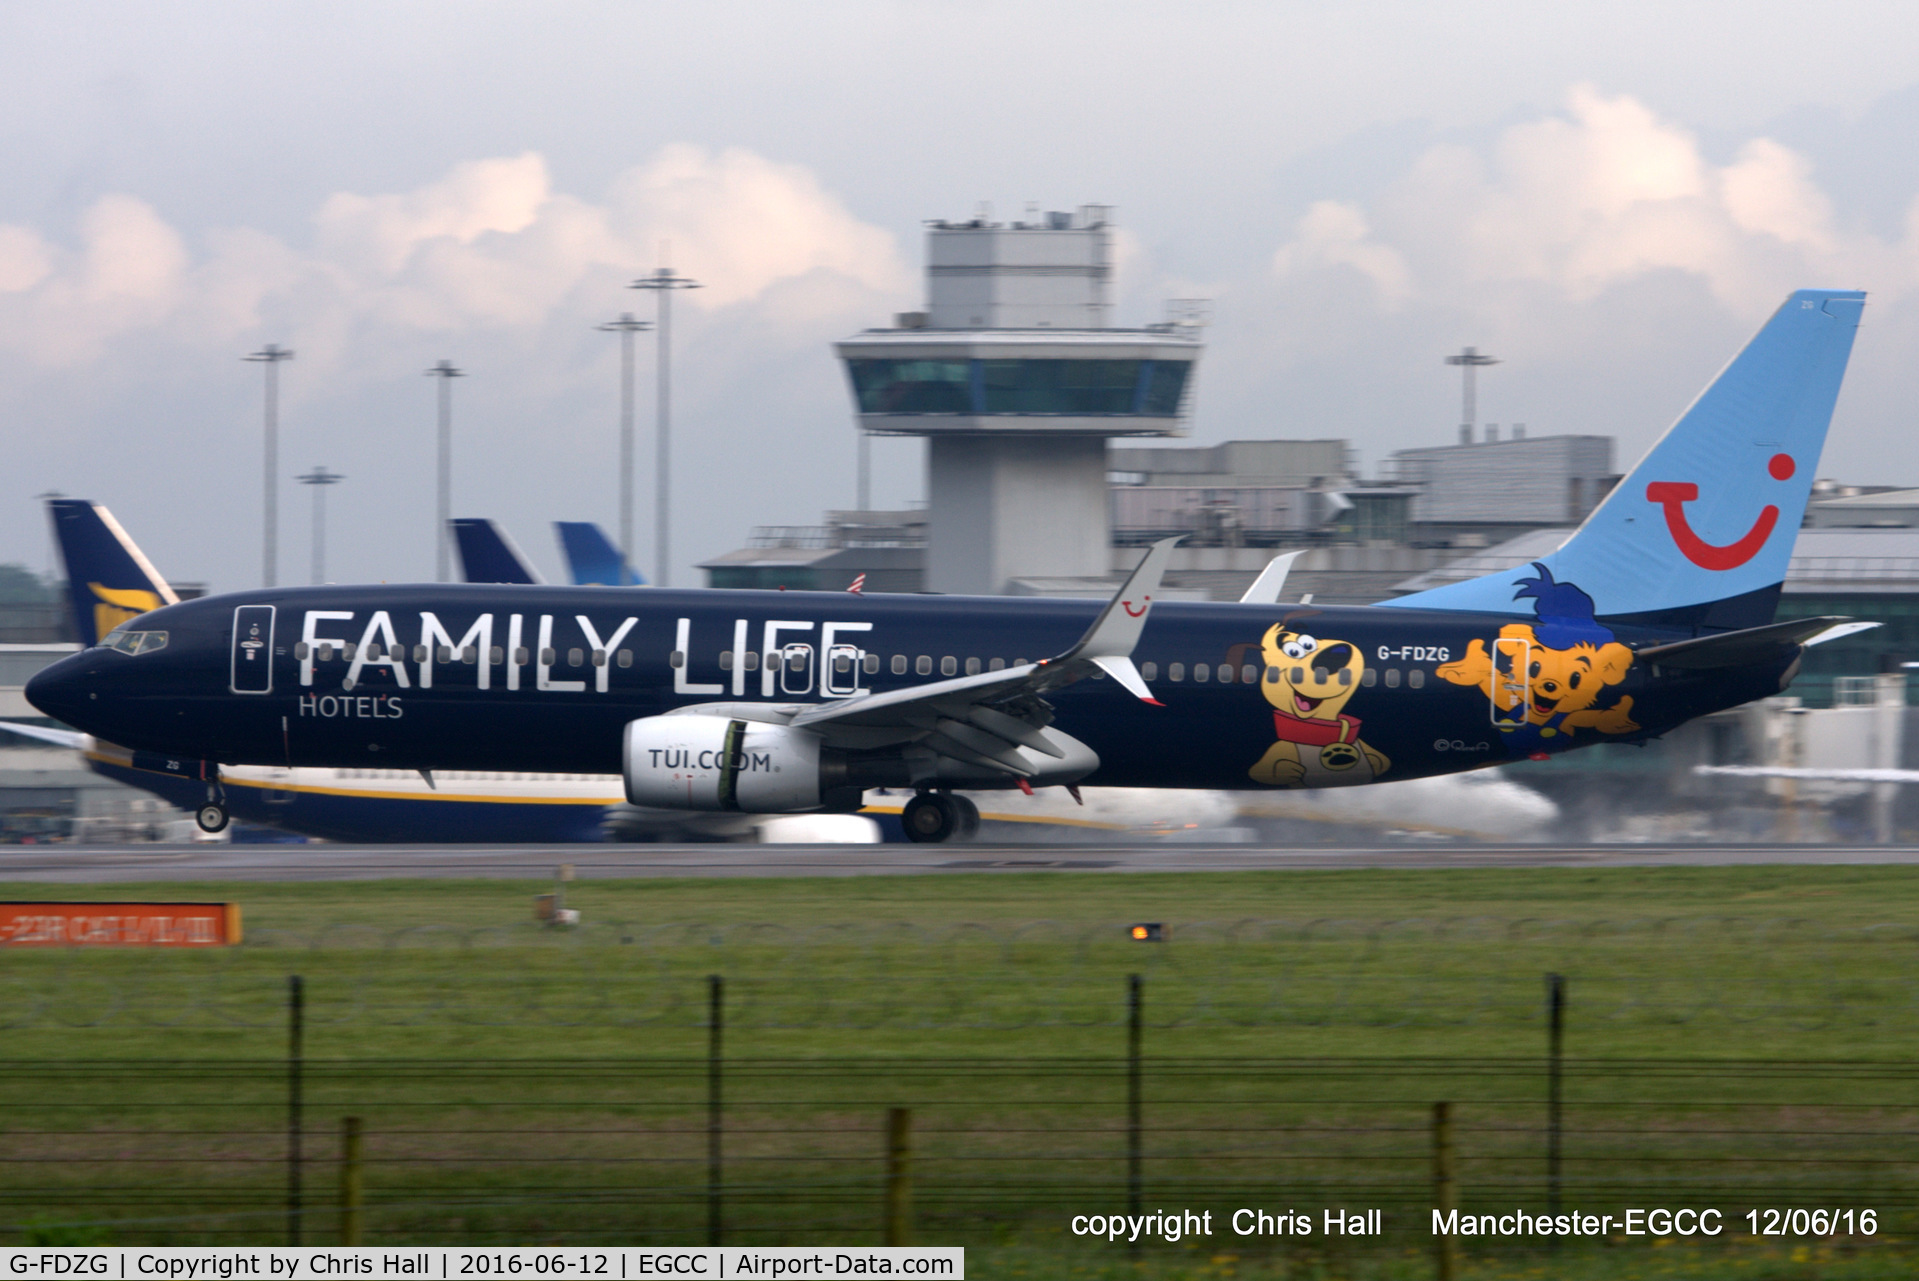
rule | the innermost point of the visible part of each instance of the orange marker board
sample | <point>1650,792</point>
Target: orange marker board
<point>119,924</point>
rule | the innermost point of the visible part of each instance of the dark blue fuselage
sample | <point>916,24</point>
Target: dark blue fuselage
<point>545,678</point>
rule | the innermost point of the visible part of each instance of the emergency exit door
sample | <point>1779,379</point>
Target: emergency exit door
<point>252,650</point>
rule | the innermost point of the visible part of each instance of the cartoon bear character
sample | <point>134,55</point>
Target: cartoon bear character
<point>1308,681</point>
<point>1571,659</point>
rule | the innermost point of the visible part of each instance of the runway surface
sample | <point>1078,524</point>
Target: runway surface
<point>75,864</point>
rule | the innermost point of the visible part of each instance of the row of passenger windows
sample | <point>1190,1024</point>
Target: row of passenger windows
<point>799,657</point>
<point>326,652</point>
<point>472,776</point>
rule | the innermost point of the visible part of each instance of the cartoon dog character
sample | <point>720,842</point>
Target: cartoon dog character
<point>1309,681</point>
<point>1572,659</point>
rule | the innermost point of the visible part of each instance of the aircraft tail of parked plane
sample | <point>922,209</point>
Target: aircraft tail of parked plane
<point>488,554</point>
<point>1685,540</point>
<point>592,558</point>
<point>110,579</point>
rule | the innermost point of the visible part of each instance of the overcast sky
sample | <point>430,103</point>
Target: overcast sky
<point>1609,197</point>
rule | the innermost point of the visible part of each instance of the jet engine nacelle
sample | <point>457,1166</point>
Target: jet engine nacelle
<point>721,763</point>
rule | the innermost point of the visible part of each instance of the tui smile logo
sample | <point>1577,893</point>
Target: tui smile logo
<point>1674,495</point>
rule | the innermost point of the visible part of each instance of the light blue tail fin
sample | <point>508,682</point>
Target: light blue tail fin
<point>592,557</point>
<point>109,580</point>
<point>1699,534</point>
<point>488,554</point>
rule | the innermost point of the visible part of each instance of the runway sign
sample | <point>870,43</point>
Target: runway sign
<point>119,924</point>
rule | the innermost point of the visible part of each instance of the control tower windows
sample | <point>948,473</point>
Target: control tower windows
<point>912,386</point>
<point>1164,383</point>
<point>1061,386</point>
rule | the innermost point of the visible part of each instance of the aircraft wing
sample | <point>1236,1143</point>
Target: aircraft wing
<point>987,720</point>
<point>1747,646</point>
<point>47,734</point>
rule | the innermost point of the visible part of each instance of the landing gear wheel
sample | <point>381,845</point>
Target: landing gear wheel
<point>931,817</point>
<point>968,818</point>
<point>212,818</point>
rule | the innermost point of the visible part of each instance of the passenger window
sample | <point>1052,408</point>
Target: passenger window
<point>301,650</point>
<point>923,665</point>
<point>1369,679</point>
<point>726,660</point>
<point>574,657</point>
<point>445,654</point>
<point>1201,671</point>
<point>1392,678</point>
<point>1299,676</point>
<point>773,660</point>
<point>1225,674</point>
<point>521,656</point>
<point>495,655</point>
<point>372,650</point>
<point>1176,672</point>
<point>1416,678</point>
<point>1345,676</point>
<point>326,652</point>
<point>871,663</point>
<point>419,654</point>
<point>1149,670</point>
<point>346,651</point>
<point>949,665</point>
<point>997,665</point>
<point>972,667</point>
<point>1249,674</point>
<point>470,654</point>
<point>626,658</point>
<point>899,664</point>
<point>842,664</point>
<point>752,660</point>
<point>599,658</point>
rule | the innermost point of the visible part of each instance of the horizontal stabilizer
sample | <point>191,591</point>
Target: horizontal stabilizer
<point>1745,648</point>
<point>1812,775</point>
<point>47,734</point>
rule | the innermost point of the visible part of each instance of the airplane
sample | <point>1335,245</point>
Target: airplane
<point>1656,610</point>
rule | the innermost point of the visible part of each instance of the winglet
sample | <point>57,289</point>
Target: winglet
<point>1271,581</point>
<point>1116,630</point>
<point>1123,671</point>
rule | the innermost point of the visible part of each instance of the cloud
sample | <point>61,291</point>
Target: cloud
<point>490,246</point>
<point>1589,199</point>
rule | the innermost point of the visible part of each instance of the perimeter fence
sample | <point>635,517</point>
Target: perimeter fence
<point>948,1151</point>
<point>1691,974</point>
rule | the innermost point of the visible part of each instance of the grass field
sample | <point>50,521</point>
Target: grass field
<point>526,1084</point>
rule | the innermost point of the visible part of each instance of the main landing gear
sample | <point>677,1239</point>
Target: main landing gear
<point>932,817</point>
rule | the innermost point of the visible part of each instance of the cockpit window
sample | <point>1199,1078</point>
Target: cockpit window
<point>132,642</point>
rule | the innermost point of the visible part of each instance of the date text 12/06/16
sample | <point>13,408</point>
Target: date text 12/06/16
<point>1813,1223</point>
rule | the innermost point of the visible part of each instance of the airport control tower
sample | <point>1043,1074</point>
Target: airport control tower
<point>1017,382</point>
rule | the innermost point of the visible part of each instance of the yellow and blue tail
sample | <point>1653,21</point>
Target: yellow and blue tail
<point>109,579</point>
<point>1699,534</point>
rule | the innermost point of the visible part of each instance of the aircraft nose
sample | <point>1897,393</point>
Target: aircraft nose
<point>62,690</point>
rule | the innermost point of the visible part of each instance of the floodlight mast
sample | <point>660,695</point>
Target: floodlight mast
<point>1468,360</point>
<point>319,478</point>
<point>626,326</point>
<point>271,355</point>
<point>663,282</point>
<point>446,373</point>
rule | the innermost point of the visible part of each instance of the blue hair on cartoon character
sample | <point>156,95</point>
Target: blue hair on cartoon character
<point>1565,612</point>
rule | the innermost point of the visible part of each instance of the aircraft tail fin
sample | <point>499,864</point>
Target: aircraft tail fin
<point>488,554</point>
<point>1699,534</point>
<point>109,579</point>
<point>592,558</point>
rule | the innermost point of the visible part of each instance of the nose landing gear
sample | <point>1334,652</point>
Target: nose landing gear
<point>212,817</point>
<point>932,817</point>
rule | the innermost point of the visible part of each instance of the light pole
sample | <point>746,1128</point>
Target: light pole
<point>1468,360</point>
<point>626,327</point>
<point>271,355</point>
<point>663,282</point>
<point>446,373</point>
<point>319,478</point>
